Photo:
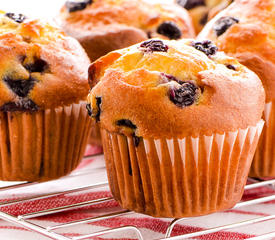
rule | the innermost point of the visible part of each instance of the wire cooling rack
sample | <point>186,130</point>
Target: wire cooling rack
<point>25,220</point>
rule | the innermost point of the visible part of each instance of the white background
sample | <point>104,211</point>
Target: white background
<point>35,8</point>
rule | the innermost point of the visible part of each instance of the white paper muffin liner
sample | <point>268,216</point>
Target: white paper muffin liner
<point>263,164</point>
<point>42,145</point>
<point>180,177</point>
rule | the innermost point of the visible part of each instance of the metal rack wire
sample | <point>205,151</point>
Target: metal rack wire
<point>50,231</point>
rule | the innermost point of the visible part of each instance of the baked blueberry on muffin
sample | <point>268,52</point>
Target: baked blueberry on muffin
<point>202,11</point>
<point>102,26</point>
<point>43,121</point>
<point>245,30</point>
<point>176,116</point>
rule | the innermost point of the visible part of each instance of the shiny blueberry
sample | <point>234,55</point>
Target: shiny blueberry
<point>95,113</point>
<point>20,87</point>
<point>126,123</point>
<point>170,30</point>
<point>98,112</point>
<point>74,5</point>
<point>38,65</point>
<point>17,17</point>
<point>205,46</point>
<point>189,4</point>
<point>185,95</point>
<point>223,24</point>
<point>154,46</point>
<point>231,67</point>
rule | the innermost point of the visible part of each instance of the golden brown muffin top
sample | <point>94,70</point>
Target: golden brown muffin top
<point>246,30</point>
<point>40,67</point>
<point>167,21</point>
<point>173,89</point>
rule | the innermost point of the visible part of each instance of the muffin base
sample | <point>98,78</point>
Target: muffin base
<point>95,137</point>
<point>42,145</point>
<point>263,164</point>
<point>179,177</point>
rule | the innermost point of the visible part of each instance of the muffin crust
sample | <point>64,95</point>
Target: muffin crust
<point>251,40</point>
<point>40,67</point>
<point>106,25</point>
<point>180,89</point>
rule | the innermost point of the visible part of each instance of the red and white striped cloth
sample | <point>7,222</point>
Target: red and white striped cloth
<point>151,228</point>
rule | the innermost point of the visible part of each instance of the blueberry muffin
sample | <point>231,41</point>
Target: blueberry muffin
<point>44,123</point>
<point>202,11</point>
<point>246,31</point>
<point>180,122</point>
<point>102,26</point>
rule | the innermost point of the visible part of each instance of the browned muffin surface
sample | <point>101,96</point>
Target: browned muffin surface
<point>105,25</point>
<point>246,31</point>
<point>40,67</point>
<point>173,89</point>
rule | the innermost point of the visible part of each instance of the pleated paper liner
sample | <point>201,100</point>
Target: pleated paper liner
<point>95,137</point>
<point>42,145</point>
<point>180,177</point>
<point>263,164</point>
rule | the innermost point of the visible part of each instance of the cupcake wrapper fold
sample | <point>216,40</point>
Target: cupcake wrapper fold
<point>95,137</point>
<point>180,177</point>
<point>263,164</point>
<point>42,145</point>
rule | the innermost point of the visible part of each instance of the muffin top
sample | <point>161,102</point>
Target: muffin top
<point>168,21</point>
<point>246,30</point>
<point>203,10</point>
<point>162,88</point>
<point>40,67</point>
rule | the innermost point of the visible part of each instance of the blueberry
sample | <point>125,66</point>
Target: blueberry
<point>74,5</point>
<point>189,4</point>
<point>22,105</point>
<point>185,95</point>
<point>126,123</point>
<point>154,46</point>
<point>129,124</point>
<point>38,65</point>
<point>231,67</point>
<point>223,24</point>
<point>19,18</point>
<point>170,30</point>
<point>20,87</point>
<point>95,113</point>
<point>205,46</point>
<point>98,112</point>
